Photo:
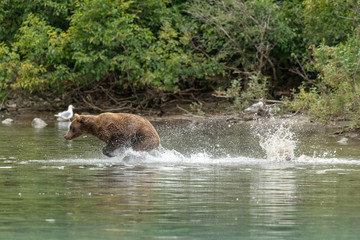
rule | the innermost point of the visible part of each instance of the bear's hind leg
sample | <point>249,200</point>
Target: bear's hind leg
<point>146,143</point>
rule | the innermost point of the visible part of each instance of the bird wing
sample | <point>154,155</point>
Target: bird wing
<point>66,115</point>
<point>60,114</point>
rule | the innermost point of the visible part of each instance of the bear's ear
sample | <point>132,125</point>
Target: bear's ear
<point>77,117</point>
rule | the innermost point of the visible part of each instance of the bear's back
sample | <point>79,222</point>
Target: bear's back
<point>122,118</point>
<point>126,122</point>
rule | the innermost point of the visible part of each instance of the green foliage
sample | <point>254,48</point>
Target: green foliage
<point>257,89</point>
<point>329,21</point>
<point>234,91</point>
<point>196,107</point>
<point>337,94</point>
<point>241,35</point>
<point>105,39</point>
<point>27,65</point>
<point>14,12</point>
<point>7,63</point>
<point>304,100</point>
<point>171,45</point>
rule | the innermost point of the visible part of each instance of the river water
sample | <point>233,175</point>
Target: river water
<point>209,180</point>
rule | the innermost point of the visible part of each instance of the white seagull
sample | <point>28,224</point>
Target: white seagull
<point>255,107</point>
<point>65,115</point>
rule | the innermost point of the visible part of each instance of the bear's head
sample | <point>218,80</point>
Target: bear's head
<point>75,128</point>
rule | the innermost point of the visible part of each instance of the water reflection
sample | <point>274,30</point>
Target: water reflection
<point>63,125</point>
<point>274,200</point>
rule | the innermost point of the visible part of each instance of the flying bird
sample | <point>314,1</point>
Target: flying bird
<point>65,115</point>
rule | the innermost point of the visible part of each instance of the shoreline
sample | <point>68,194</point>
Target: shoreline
<point>338,129</point>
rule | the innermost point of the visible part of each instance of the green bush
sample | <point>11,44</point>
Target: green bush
<point>329,22</point>
<point>338,83</point>
<point>256,90</point>
<point>30,65</point>
<point>105,40</point>
<point>14,12</point>
<point>174,45</point>
<point>242,35</point>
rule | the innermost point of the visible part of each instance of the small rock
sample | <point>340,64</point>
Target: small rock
<point>7,121</point>
<point>343,141</point>
<point>38,123</point>
<point>12,105</point>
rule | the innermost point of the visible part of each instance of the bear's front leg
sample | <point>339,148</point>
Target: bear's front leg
<point>110,148</point>
<point>115,143</point>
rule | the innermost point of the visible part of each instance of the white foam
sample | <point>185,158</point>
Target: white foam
<point>169,158</point>
<point>278,141</point>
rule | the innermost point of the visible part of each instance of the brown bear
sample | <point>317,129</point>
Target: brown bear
<point>117,130</point>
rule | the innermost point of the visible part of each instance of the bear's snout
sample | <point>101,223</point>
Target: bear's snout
<point>68,136</point>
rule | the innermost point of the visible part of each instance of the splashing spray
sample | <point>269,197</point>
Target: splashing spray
<point>278,141</point>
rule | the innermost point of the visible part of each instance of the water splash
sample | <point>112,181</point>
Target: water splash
<point>171,159</point>
<point>278,141</point>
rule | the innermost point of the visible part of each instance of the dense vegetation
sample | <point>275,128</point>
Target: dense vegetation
<point>148,50</point>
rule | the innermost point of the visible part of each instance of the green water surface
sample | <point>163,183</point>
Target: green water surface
<point>208,181</point>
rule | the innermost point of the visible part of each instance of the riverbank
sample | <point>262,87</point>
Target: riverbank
<point>220,113</point>
<point>198,108</point>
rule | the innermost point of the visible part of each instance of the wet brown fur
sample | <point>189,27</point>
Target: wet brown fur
<point>117,130</point>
